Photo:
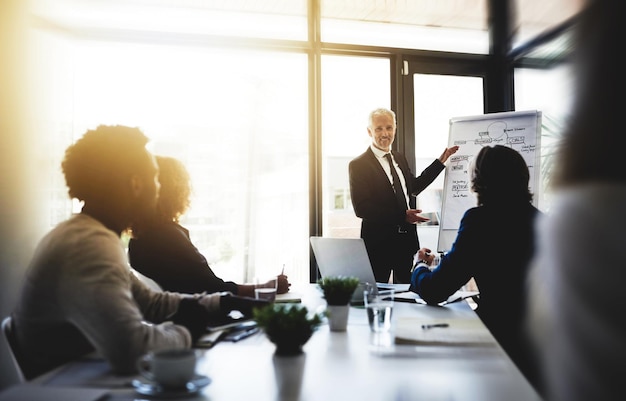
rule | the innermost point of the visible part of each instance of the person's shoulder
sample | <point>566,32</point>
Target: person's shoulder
<point>162,229</point>
<point>83,244</point>
<point>167,235</point>
<point>475,211</point>
<point>171,226</point>
<point>474,216</point>
<point>84,226</point>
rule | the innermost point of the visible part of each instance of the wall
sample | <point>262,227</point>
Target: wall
<point>20,212</point>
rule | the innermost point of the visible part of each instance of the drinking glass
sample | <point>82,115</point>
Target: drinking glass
<point>379,306</point>
<point>266,289</point>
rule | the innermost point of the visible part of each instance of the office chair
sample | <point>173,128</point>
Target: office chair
<point>9,335</point>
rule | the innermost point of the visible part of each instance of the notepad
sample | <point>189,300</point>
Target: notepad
<point>459,332</point>
<point>288,297</point>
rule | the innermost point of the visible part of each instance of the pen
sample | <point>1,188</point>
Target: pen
<point>430,326</point>
<point>282,272</point>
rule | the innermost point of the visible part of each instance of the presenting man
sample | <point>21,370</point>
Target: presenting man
<point>380,184</point>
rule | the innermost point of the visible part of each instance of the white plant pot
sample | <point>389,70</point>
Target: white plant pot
<point>338,317</point>
<point>289,372</point>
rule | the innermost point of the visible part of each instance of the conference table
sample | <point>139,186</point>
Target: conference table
<point>466,364</point>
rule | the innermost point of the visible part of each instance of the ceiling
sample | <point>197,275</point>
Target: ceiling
<point>531,17</point>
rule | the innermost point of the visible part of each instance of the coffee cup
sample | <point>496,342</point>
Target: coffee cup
<point>170,368</point>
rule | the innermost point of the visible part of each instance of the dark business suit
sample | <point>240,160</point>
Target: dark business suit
<point>391,242</point>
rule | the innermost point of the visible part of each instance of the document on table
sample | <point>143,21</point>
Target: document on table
<point>409,330</point>
<point>456,297</point>
<point>288,297</point>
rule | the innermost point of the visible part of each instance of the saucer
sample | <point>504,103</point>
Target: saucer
<point>146,387</point>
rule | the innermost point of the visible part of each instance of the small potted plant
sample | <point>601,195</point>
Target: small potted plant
<point>338,292</point>
<point>288,326</point>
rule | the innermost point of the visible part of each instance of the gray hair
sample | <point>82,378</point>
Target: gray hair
<point>381,112</point>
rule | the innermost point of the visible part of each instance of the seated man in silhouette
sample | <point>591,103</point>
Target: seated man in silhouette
<point>79,293</point>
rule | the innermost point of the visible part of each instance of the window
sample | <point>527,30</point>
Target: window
<point>242,133</point>
<point>438,98</point>
<point>555,106</point>
<point>227,87</point>
<point>351,88</point>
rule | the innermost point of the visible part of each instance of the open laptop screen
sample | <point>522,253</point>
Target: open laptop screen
<point>344,257</point>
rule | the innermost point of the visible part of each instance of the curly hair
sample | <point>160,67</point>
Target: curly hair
<point>96,164</point>
<point>500,174</point>
<point>175,194</point>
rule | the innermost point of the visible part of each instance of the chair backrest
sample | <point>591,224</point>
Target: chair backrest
<point>9,335</point>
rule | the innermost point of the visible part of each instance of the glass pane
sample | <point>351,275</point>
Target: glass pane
<point>445,25</point>
<point>534,17</point>
<point>438,98</point>
<point>238,120</point>
<point>351,88</point>
<point>555,106</point>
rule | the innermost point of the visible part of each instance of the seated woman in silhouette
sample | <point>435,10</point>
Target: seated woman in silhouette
<point>494,245</point>
<point>161,248</point>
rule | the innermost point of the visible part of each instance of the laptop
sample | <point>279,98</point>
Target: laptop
<point>345,257</point>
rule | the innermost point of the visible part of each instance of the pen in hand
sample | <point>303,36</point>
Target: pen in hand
<point>430,326</point>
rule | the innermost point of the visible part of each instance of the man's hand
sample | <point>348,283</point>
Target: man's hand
<point>447,153</point>
<point>413,216</point>
<point>425,254</point>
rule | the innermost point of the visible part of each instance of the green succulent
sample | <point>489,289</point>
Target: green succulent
<point>289,326</point>
<point>338,290</point>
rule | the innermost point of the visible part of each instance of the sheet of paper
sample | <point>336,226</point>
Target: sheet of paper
<point>456,297</point>
<point>288,297</point>
<point>398,287</point>
<point>33,392</point>
<point>459,296</point>
<point>433,220</point>
<point>458,332</point>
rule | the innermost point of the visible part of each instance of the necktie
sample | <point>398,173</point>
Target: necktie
<point>397,186</point>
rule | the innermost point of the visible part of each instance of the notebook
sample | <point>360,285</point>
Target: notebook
<point>344,257</point>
